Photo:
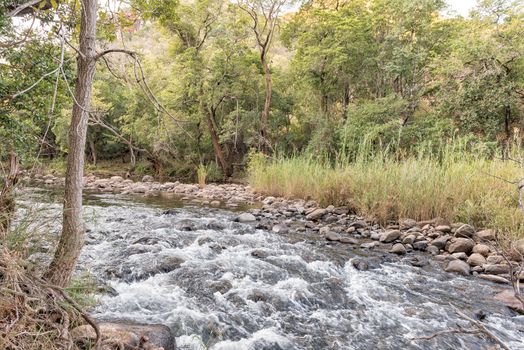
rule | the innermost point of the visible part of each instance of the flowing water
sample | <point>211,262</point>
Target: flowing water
<point>223,285</point>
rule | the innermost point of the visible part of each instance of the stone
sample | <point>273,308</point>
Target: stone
<point>461,245</point>
<point>348,240</point>
<point>359,224</point>
<point>389,236</point>
<point>332,236</point>
<point>481,249</point>
<point>369,245</point>
<point>409,239</point>
<point>280,228</point>
<point>324,230</point>
<point>341,210</point>
<point>495,259</point>
<point>440,242</point>
<point>494,278</point>
<point>496,269</point>
<point>245,218</point>
<point>460,255</point>
<point>486,235</point>
<point>420,245</point>
<point>360,264</point>
<point>519,246</point>
<point>418,261</point>
<point>507,297</point>
<point>406,224</point>
<point>117,178</point>
<point>316,214</point>
<point>458,266</point>
<point>476,259</point>
<point>148,178</point>
<point>443,228</point>
<point>130,335</point>
<point>375,236</point>
<point>465,231</point>
<point>398,248</point>
<point>432,250</point>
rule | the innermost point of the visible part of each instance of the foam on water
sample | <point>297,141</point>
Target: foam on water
<point>241,288</point>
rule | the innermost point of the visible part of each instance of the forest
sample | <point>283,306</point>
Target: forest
<point>404,113</point>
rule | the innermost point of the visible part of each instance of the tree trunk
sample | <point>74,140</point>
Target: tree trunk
<point>72,238</point>
<point>7,200</point>
<point>224,164</point>
<point>92,148</point>
<point>507,132</point>
<point>265,144</point>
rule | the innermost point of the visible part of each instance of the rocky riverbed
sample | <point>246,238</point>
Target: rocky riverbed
<point>457,247</point>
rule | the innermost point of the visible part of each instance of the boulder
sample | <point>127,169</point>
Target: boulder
<point>316,214</point>
<point>324,230</point>
<point>389,236</point>
<point>130,335</point>
<point>507,297</point>
<point>406,224</point>
<point>495,259</point>
<point>460,255</point>
<point>443,228</point>
<point>458,266</point>
<point>245,218</point>
<point>485,235</point>
<point>465,231</point>
<point>409,239</point>
<point>494,278</point>
<point>432,250</point>
<point>519,246</point>
<point>476,259</point>
<point>332,236</point>
<point>440,242</point>
<point>279,228</point>
<point>461,245</point>
<point>398,249</point>
<point>496,269</point>
<point>148,178</point>
<point>348,240</point>
<point>481,249</point>
<point>359,224</point>
<point>420,245</point>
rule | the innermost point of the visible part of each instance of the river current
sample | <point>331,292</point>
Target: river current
<point>223,285</point>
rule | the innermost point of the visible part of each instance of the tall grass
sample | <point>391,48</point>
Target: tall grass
<point>456,186</point>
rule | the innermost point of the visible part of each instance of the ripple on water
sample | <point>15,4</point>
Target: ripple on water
<point>235,287</point>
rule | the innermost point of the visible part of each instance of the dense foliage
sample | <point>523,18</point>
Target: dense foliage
<point>347,78</point>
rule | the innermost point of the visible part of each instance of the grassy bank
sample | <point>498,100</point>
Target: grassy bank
<point>459,188</point>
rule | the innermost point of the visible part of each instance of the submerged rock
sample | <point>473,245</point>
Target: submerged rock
<point>509,299</point>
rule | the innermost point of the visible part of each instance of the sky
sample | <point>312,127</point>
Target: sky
<point>462,7</point>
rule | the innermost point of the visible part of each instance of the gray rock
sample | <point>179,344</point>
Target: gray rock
<point>440,242</point>
<point>458,266</point>
<point>476,259</point>
<point>369,245</point>
<point>432,250</point>
<point>494,278</point>
<point>324,230</point>
<point>316,214</point>
<point>443,228</point>
<point>509,299</point>
<point>461,245</point>
<point>332,236</point>
<point>495,259</point>
<point>148,178</point>
<point>465,231</point>
<point>375,236</point>
<point>398,248</point>
<point>246,217</point>
<point>420,245</point>
<point>460,255</point>
<point>496,269</point>
<point>130,335</point>
<point>280,228</point>
<point>389,236</point>
<point>409,239</point>
<point>486,235</point>
<point>407,224</point>
<point>481,249</point>
<point>348,240</point>
<point>359,224</point>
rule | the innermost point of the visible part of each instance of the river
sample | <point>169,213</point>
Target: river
<point>219,284</point>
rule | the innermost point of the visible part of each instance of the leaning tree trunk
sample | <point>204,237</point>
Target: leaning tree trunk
<point>265,145</point>
<point>219,153</point>
<point>72,238</point>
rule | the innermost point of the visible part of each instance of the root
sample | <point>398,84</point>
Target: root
<point>35,314</point>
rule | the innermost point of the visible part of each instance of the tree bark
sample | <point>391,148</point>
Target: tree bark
<point>265,144</point>
<point>72,238</point>
<point>219,153</point>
